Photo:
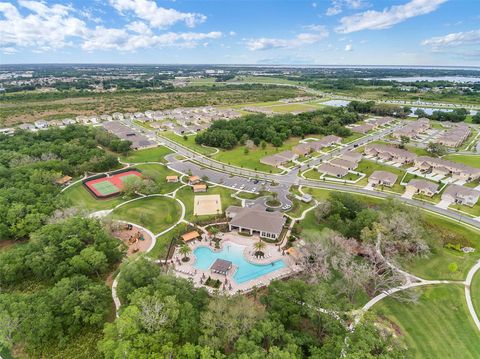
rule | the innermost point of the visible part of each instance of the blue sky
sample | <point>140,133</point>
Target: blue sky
<point>333,32</point>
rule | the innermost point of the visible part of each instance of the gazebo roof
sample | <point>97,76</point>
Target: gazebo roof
<point>221,266</point>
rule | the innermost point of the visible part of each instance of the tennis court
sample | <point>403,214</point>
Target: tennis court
<point>110,186</point>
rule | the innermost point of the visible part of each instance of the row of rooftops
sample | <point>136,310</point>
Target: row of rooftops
<point>413,129</point>
<point>455,136</point>
<point>371,124</point>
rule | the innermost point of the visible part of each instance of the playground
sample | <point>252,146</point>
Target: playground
<point>111,185</point>
<point>136,239</point>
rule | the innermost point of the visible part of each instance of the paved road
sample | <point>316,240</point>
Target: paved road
<point>292,178</point>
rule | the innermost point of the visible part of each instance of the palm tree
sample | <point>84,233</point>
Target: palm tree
<point>184,250</point>
<point>259,246</point>
<point>214,231</point>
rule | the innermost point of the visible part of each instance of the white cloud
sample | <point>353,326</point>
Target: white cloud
<point>454,39</point>
<point>8,50</point>
<point>317,33</point>
<point>232,33</point>
<point>158,17</point>
<point>314,4</point>
<point>378,20</point>
<point>337,6</point>
<point>41,27</point>
<point>118,39</point>
<point>44,27</point>
<point>348,47</point>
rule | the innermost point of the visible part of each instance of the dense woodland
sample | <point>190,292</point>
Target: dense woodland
<point>31,162</point>
<point>276,129</point>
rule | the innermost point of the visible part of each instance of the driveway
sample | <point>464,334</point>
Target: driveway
<point>444,203</point>
<point>409,193</point>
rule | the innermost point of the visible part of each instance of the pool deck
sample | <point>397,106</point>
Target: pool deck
<point>272,254</point>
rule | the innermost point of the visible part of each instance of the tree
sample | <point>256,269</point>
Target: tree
<point>226,319</point>
<point>184,250</point>
<point>403,141</point>
<point>264,145</point>
<point>436,149</point>
<point>246,151</point>
<point>476,118</point>
<point>259,246</point>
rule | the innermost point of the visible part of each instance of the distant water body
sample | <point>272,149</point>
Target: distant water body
<point>456,79</point>
<point>428,110</point>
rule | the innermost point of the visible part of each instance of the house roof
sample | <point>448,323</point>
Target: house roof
<point>340,162</point>
<point>172,177</point>
<point>384,176</point>
<point>63,180</point>
<point>351,156</point>
<point>455,190</point>
<point>199,186</point>
<point>423,185</point>
<point>257,218</point>
<point>332,170</point>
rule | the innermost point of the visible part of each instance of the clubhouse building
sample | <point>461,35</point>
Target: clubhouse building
<point>255,221</point>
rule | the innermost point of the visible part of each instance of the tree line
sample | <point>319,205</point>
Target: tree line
<point>31,162</point>
<point>277,129</point>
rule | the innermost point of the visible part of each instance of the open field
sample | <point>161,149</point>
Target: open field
<point>188,142</point>
<point>28,107</point>
<point>251,160</point>
<point>293,107</point>
<point>470,160</point>
<point>438,326</point>
<point>84,200</point>
<point>158,173</point>
<point>155,154</point>
<point>435,266</point>
<point>154,213</point>
<point>475,291</point>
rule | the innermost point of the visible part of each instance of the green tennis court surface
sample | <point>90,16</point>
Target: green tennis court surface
<point>126,177</point>
<point>105,188</point>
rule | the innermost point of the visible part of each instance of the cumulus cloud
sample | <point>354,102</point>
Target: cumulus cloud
<point>378,20</point>
<point>454,39</point>
<point>158,17</point>
<point>42,27</point>
<point>348,47</point>
<point>317,33</point>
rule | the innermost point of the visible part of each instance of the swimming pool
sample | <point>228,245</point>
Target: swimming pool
<point>246,271</point>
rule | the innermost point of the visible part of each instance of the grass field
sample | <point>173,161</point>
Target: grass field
<point>156,154</point>
<point>438,326</point>
<point>293,107</point>
<point>154,213</point>
<point>189,142</point>
<point>159,251</point>
<point>251,160</point>
<point>186,196</point>
<point>82,199</point>
<point>475,291</point>
<point>470,160</point>
<point>158,173</point>
<point>435,266</point>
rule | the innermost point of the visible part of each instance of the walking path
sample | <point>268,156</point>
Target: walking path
<point>468,294</point>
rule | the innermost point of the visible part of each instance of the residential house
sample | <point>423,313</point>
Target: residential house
<point>455,136</point>
<point>413,129</point>
<point>382,178</point>
<point>461,195</point>
<point>458,171</point>
<point>424,187</point>
<point>40,124</point>
<point>340,162</point>
<point>389,153</point>
<point>332,170</point>
<point>351,156</point>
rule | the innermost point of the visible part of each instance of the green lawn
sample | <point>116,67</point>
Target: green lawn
<point>473,211</point>
<point>475,291</point>
<point>470,160</point>
<point>354,136</point>
<point>251,160</point>
<point>154,213</point>
<point>159,251</point>
<point>158,173</point>
<point>189,142</point>
<point>368,167</point>
<point>438,326</point>
<point>186,195</point>
<point>155,154</point>
<point>435,266</point>
<point>81,198</point>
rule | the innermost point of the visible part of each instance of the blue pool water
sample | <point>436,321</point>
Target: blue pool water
<point>204,258</point>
